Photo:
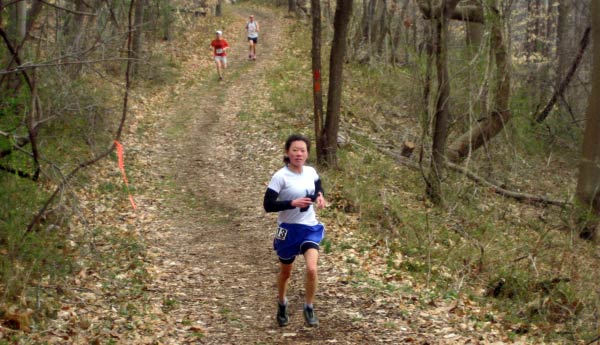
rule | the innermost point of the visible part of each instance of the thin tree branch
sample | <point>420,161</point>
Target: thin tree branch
<point>18,173</point>
<point>113,17</point>
<point>42,65</point>
<point>83,165</point>
<point>2,6</point>
<point>524,197</point>
<point>472,14</point>
<point>32,131</point>
<point>67,10</point>
<point>597,339</point>
<point>15,56</point>
<point>565,82</point>
<point>35,109</point>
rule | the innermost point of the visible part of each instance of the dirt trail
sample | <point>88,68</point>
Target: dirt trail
<point>209,243</point>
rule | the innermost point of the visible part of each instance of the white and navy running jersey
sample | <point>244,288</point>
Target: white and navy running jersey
<point>291,185</point>
<point>252,26</point>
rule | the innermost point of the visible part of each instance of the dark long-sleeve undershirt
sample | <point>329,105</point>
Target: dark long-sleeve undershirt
<point>271,204</point>
<point>318,188</point>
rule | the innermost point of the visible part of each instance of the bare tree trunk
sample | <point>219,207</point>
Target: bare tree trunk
<point>75,32</point>
<point>588,182</point>
<point>427,43</point>
<point>380,27</point>
<point>473,37</point>
<point>138,35</point>
<point>368,18</point>
<point>486,129</point>
<point>549,19</point>
<point>292,6</point>
<point>474,30</point>
<point>529,34</point>
<point>403,32</point>
<point>12,25</point>
<point>302,7</point>
<point>537,26</point>
<point>21,19</point>
<point>562,41</point>
<point>440,121</point>
<point>316,67</point>
<point>414,27</point>
<point>219,8</point>
<point>343,12</point>
<point>36,8</point>
<point>395,36</point>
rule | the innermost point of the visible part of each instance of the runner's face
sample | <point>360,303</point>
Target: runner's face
<point>297,153</point>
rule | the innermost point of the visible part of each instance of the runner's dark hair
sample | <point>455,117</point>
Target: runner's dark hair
<point>290,140</point>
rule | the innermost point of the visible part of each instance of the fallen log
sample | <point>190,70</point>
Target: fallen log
<point>520,196</point>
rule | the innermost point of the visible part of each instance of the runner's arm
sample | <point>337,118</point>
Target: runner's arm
<point>271,204</point>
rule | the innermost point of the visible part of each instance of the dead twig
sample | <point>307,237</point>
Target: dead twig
<point>19,173</point>
<point>67,10</point>
<point>64,63</point>
<point>597,339</point>
<point>523,197</point>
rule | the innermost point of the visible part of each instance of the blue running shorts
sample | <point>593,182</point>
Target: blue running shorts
<point>289,238</point>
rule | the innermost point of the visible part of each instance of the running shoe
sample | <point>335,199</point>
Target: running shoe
<point>282,315</point>
<point>310,317</point>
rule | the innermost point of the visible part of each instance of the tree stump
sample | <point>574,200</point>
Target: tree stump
<point>407,148</point>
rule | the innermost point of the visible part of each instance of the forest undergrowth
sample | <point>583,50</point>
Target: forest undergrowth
<point>523,264</point>
<point>509,265</point>
<point>76,253</point>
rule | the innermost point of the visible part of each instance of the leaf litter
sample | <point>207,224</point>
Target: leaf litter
<point>194,263</point>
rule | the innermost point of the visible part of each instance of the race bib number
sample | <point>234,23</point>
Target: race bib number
<point>281,233</point>
<point>219,51</point>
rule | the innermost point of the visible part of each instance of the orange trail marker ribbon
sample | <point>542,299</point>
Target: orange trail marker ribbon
<point>122,167</point>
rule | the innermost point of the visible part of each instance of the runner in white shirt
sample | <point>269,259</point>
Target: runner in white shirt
<point>252,28</point>
<point>292,192</point>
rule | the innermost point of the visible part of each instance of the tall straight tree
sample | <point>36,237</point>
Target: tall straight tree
<point>440,121</point>
<point>138,35</point>
<point>21,19</point>
<point>316,67</point>
<point>328,151</point>
<point>588,182</point>
<point>562,41</point>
